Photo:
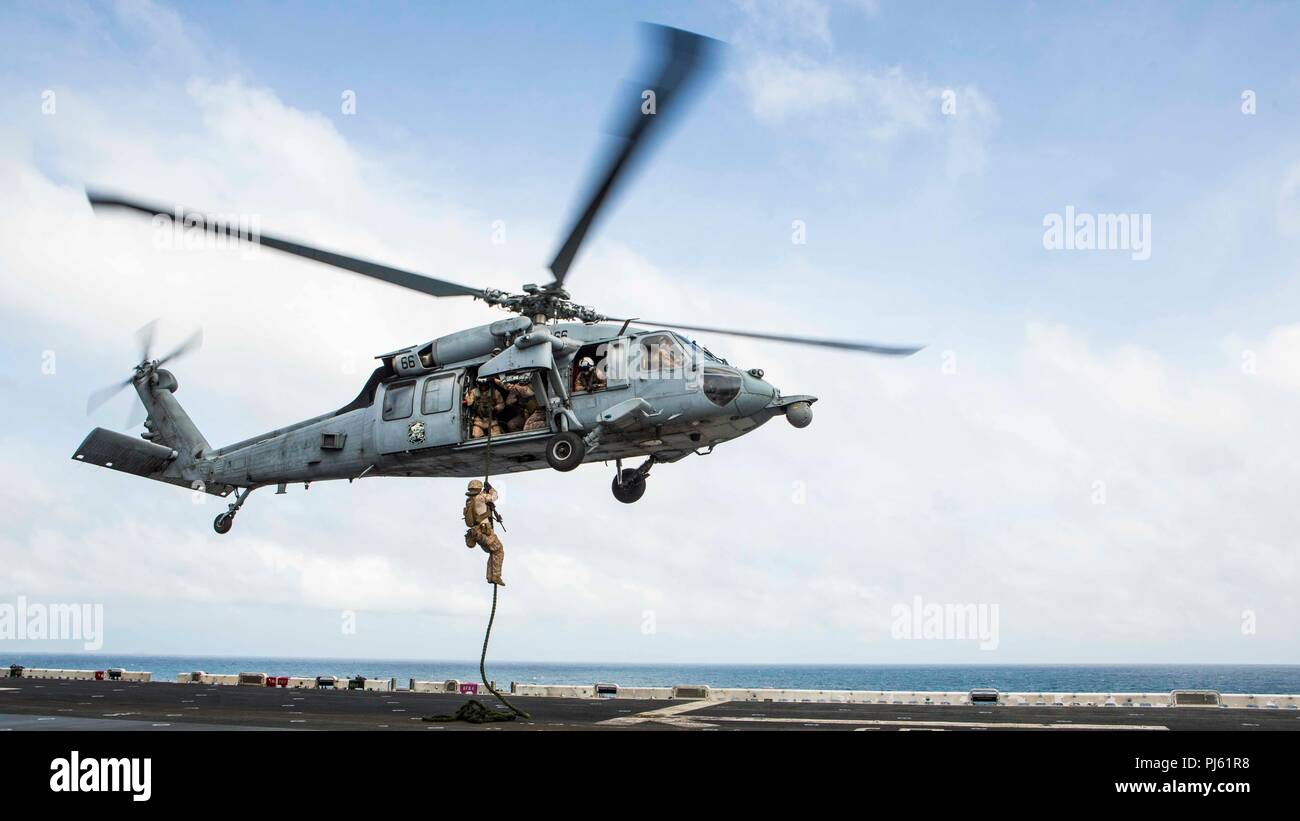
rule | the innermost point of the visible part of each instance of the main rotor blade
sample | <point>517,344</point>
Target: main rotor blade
<point>193,219</point>
<point>104,394</point>
<point>839,344</point>
<point>193,343</point>
<point>684,56</point>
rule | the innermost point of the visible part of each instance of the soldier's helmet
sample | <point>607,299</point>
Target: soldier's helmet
<point>586,363</point>
<point>475,487</point>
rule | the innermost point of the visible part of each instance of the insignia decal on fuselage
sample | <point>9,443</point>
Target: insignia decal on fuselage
<point>415,433</point>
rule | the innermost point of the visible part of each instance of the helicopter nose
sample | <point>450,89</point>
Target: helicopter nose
<point>755,395</point>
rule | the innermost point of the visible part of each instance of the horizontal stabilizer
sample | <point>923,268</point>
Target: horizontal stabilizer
<point>110,449</point>
<point>118,451</point>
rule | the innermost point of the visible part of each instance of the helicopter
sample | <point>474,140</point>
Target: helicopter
<point>592,387</point>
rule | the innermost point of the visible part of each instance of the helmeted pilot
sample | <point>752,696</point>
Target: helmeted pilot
<point>480,507</point>
<point>589,377</point>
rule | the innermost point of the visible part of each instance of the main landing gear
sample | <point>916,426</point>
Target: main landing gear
<point>629,483</point>
<point>565,451</point>
<point>225,521</point>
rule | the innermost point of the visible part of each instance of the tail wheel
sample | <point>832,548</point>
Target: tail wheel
<point>630,488</point>
<point>565,451</point>
<point>223,523</point>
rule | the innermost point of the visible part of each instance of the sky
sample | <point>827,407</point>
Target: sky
<point>1097,445</point>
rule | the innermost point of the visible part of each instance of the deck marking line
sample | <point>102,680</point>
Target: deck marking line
<point>990,725</point>
<point>671,715</point>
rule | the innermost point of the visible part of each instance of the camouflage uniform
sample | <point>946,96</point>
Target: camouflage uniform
<point>478,515</point>
<point>485,404</point>
<point>529,415</point>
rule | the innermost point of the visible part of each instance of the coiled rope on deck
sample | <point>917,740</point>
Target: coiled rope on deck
<point>475,711</point>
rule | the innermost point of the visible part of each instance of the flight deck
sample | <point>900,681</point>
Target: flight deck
<point>79,704</point>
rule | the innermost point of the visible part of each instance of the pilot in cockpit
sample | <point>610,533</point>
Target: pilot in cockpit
<point>589,377</point>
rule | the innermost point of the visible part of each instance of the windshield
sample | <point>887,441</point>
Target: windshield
<point>692,345</point>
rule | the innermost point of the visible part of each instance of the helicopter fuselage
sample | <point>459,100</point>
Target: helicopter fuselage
<point>652,394</point>
<point>416,423</point>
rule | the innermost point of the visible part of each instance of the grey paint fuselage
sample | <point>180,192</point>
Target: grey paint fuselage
<point>678,419</point>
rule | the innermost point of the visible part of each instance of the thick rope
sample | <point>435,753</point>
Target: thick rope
<point>487,450</point>
<point>474,711</point>
<point>482,660</point>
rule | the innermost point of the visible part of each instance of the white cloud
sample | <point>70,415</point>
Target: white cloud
<point>784,87</point>
<point>807,20</point>
<point>858,110</point>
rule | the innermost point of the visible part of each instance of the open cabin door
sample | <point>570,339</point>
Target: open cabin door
<point>420,413</point>
<point>533,366</point>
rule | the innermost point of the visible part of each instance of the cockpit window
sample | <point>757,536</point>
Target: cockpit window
<point>721,386</point>
<point>662,357</point>
<point>699,350</point>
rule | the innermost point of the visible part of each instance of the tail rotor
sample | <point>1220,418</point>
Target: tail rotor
<point>146,369</point>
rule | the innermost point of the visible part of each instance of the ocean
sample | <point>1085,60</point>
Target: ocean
<point>1226,678</point>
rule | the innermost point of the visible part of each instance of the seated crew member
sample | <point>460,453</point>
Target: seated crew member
<point>589,377</point>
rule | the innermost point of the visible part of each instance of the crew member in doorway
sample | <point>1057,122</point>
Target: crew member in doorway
<point>485,404</point>
<point>480,510</point>
<point>529,414</point>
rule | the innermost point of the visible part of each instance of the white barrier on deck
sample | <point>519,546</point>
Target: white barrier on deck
<point>899,697</point>
<point>447,686</point>
<point>81,675</point>
<point>697,692</point>
<point>287,682</point>
<point>1267,702</point>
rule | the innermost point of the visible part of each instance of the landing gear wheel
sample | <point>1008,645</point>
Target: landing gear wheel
<point>565,451</point>
<point>223,522</point>
<point>632,487</point>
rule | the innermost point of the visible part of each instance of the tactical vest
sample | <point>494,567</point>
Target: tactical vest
<point>472,517</point>
<point>485,404</point>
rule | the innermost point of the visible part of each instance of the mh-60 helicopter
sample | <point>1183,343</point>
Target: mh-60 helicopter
<point>597,389</point>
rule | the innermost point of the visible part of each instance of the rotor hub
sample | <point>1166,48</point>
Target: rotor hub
<point>542,302</point>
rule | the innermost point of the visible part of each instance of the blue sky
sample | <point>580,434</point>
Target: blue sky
<point>971,484</point>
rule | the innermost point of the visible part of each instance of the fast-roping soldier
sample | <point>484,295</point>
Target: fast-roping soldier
<point>480,509</point>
